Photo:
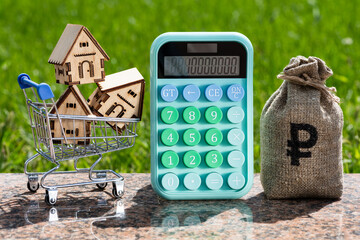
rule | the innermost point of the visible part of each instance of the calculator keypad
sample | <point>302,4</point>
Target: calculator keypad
<point>201,138</point>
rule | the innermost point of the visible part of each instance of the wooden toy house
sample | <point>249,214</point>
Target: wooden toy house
<point>78,58</point>
<point>121,95</point>
<point>71,102</point>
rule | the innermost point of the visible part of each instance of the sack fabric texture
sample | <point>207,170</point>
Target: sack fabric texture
<point>301,135</point>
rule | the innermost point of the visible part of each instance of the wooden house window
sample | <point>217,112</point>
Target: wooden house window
<point>68,131</point>
<point>132,93</point>
<point>68,65</point>
<point>52,125</point>
<point>97,96</point>
<point>102,63</point>
<point>61,72</point>
<point>76,132</point>
<point>71,105</point>
<point>84,44</point>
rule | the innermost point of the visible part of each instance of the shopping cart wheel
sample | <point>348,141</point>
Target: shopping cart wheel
<point>33,183</point>
<point>33,187</point>
<point>118,189</point>
<point>117,194</point>
<point>50,196</point>
<point>101,186</point>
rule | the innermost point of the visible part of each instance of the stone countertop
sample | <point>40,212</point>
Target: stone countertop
<point>88,213</point>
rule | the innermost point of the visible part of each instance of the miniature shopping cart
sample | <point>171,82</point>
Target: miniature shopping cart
<point>103,135</point>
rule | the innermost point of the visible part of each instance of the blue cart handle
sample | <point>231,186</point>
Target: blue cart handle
<point>43,89</point>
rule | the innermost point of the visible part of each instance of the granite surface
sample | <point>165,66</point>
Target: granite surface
<point>88,213</point>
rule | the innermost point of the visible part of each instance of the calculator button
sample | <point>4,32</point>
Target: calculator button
<point>170,159</point>
<point>236,181</point>
<point>235,137</point>
<point>170,181</point>
<point>169,93</point>
<point>213,137</point>
<point>192,181</point>
<point>213,93</point>
<point>191,115</point>
<point>213,114</point>
<point>169,137</point>
<point>191,93</point>
<point>191,137</point>
<point>192,159</point>
<point>214,159</point>
<point>214,181</point>
<point>235,114</point>
<point>236,159</point>
<point>235,92</point>
<point>169,115</point>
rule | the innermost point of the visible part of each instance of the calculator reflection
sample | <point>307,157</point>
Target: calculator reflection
<point>212,218</point>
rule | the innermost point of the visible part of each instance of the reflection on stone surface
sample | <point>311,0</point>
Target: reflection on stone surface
<point>87,213</point>
<point>190,218</point>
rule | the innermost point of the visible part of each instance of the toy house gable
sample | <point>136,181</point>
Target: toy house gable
<point>121,95</point>
<point>71,102</point>
<point>77,57</point>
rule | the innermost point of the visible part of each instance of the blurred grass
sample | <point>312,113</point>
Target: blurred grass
<point>278,30</point>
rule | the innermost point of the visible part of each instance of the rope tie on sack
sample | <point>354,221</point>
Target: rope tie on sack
<point>310,71</point>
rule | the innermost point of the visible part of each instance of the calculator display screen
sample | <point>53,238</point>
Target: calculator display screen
<point>202,60</point>
<point>201,66</point>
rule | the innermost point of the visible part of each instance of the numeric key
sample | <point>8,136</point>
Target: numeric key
<point>213,115</point>
<point>170,181</point>
<point>191,115</point>
<point>191,137</point>
<point>169,115</point>
<point>170,159</point>
<point>192,159</point>
<point>169,137</point>
<point>214,159</point>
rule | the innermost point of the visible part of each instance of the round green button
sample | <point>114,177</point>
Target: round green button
<point>169,115</point>
<point>191,137</point>
<point>170,159</point>
<point>192,159</point>
<point>213,114</point>
<point>213,136</point>
<point>169,137</point>
<point>214,159</point>
<point>191,115</point>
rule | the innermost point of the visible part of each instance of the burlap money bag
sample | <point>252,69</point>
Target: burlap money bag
<point>300,135</point>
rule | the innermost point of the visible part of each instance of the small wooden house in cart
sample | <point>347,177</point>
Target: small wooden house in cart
<point>71,102</point>
<point>78,58</point>
<point>121,95</point>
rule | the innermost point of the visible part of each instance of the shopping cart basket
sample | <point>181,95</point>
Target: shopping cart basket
<point>99,138</point>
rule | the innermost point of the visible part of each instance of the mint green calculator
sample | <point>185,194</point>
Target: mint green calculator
<point>201,115</point>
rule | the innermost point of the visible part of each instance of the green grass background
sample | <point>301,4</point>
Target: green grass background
<point>278,30</point>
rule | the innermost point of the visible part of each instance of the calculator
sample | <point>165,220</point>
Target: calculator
<point>201,115</point>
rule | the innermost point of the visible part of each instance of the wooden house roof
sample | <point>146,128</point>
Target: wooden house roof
<point>79,97</point>
<point>66,43</point>
<point>116,80</point>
